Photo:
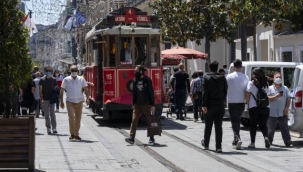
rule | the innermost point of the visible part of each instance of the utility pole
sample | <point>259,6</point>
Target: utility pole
<point>74,42</point>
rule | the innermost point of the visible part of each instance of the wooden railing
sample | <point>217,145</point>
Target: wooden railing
<point>17,143</point>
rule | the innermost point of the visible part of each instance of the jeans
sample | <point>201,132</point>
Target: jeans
<point>258,116</point>
<point>235,111</point>
<point>137,112</point>
<point>214,116</point>
<point>49,113</point>
<point>282,122</point>
<point>180,99</point>
<point>37,111</point>
<point>197,105</point>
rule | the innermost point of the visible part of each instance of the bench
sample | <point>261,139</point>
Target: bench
<point>17,143</point>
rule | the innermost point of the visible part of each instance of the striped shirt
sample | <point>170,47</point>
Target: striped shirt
<point>197,85</point>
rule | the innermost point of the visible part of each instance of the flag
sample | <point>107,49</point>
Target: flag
<point>30,25</point>
<point>75,20</point>
<point>80,19</point>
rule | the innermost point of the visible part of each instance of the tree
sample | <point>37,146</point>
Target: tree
<point>211,21</point>
<point>255,12</point>
<point>194,20</point>
<point>15,63</point>
<point>174,20</point>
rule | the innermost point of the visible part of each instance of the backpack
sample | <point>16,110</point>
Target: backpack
<point>262,98</point>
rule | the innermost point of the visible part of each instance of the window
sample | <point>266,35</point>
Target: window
<point>111,60</point>
<point>296,77</point>
<point>288,74</point>
<point>287,56</point>
<point>154,51</point>
<point>301,57</point>
<point>140,51</point>
<point>126,51</point>
<point>269,73</point>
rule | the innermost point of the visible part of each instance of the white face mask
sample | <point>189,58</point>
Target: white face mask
<point>74,73</point>
<point>278,81</point>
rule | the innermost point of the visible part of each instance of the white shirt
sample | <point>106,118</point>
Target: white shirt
<point>37,94</point>
<point>73,88</point>
<point>254,90</point>
<point>237,83</point>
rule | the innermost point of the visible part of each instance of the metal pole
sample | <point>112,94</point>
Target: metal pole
<point>243,42</point>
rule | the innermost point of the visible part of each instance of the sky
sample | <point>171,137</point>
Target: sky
<point>44,12</point>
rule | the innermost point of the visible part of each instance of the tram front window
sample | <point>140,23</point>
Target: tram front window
<point>126,51</point>
<point>155,59</point>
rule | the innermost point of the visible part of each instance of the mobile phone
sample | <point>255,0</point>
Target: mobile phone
<point>281,92</point>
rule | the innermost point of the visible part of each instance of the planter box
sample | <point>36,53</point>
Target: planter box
<point>17,143</point>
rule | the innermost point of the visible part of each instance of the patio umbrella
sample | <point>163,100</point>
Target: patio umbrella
<point>187,53</point>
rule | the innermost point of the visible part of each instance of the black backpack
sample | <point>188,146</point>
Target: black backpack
<point>262,98</point>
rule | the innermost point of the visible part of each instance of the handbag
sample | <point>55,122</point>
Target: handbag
<point>154,126</point>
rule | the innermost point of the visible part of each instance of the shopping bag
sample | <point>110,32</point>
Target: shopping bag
<point>154,126</point>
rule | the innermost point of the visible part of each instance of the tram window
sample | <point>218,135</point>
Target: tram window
<point>112,51</point>
<point>155,51</point>
<point>126,51</point>
<point>140,51</point>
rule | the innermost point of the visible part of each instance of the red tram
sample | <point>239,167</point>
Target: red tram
<point>126,38</point>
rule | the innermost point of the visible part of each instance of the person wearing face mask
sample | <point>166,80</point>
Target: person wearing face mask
<point>143,101</point>
<point>59,80</point>
<point>279,100</point>
<point>74,85</point>
<point>46,86</point>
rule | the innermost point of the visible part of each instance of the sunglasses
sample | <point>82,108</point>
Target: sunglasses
<point>74,70</point>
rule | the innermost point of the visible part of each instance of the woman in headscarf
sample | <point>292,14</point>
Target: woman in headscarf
<point>258,115</point>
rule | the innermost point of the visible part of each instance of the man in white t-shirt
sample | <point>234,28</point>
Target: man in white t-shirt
<point>237,83</point>
<point>74,86</point>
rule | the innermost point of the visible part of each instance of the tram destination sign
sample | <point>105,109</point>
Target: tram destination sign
<point>131,17</point>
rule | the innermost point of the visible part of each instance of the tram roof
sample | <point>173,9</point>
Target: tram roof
<point>125,30</point>
<point>120,21</point>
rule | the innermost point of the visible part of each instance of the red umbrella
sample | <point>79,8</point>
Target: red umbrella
<point>186,52</point>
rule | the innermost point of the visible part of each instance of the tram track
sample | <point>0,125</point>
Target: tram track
<point>165,162</point>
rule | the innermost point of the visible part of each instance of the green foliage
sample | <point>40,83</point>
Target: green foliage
<point>174,20</point>
<point>15,63</point>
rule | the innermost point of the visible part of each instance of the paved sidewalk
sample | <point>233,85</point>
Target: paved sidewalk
<point>55,153</point>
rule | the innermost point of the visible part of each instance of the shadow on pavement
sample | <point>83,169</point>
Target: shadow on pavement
<point>272,148</point>
<point>155,145</point>
<point>58,134</point>
<point>230,153</point>
<point>8,170</point>
<point>38,134</point>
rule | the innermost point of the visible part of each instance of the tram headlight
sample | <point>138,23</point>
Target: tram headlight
<point>133,25</point>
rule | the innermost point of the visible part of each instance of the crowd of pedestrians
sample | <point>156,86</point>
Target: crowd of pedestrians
<point>211,93</point>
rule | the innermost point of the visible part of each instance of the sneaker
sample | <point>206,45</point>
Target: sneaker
<point>71,137</point>
<point>195,120</point>
<point>57,110</point>
<point>151,141</point>
<point>77,138</point>
<point>49,131</point>
<point>182,118</point>
<point>238,145</point>
<point>130,140</point>
<point>234,143</point>
<point>219,150</point>
<point>55,131</point>
<point>203,144</point>
<point>267,143</point>
<point>288,143</point>
<point>251,145</point>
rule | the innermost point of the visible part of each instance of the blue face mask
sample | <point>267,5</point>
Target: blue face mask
<point>48,73</point>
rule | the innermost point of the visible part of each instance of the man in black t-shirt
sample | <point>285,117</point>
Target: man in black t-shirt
<point>47,85</point>
<point>143,101</point>
<point>181,86</point>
